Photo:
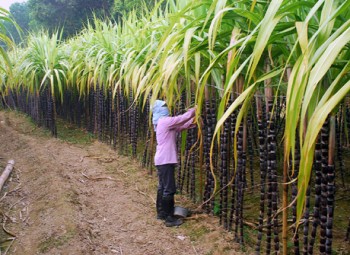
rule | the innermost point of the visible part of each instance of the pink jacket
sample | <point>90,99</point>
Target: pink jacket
<point>166,136</point>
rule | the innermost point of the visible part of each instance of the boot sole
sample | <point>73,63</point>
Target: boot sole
<point>173,223</point>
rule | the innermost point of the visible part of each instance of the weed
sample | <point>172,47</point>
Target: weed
<point>55,241</point>
<point>197,232</point>
<point>71,134</point>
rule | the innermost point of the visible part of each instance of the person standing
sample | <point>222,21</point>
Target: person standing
<point>165,159</point>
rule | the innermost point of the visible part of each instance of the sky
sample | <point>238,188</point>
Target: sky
<point>6,3</point>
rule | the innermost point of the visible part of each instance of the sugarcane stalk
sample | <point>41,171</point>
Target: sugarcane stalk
<point>260,112</point>
<point>223,174</point>
<point>330,186</point>
<point>318,180</point>
<point>179,141</point>
<point>215,152</point>
<point>324,183</point>
<point>250,149</point>
<point>306,221</point>
<point>232,170</point>
<point>294,174</point>
<point>285,193</point>
<point>115,121</point>
<point>201,162</point>
<point>241,162</point>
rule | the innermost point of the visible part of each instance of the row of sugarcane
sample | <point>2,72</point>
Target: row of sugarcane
<point>118,122</point>
<point>267,86</point>
<point>115,121</point>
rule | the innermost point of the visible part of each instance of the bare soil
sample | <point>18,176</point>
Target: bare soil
<point>74,198</point>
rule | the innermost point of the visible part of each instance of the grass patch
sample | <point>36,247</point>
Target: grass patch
<point>73,197</point>
<point>70,133</point>
<point>24,124</point>
<point>196,232</point>
<point>55,241</point>
<point>5,241</point>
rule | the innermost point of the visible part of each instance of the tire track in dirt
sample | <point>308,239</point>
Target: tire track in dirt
<point>74,199</point>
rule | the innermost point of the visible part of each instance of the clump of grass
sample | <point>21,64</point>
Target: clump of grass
<point>55,241</point>
<point>5,241</point>
<point>24,124</point>
<point>196,232</point>
<point>71,134</point>
<point>73,197</point>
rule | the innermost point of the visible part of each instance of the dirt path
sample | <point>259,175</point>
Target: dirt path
<point>85,199</point>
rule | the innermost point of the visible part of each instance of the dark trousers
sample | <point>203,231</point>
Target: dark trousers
<point>166,179</point>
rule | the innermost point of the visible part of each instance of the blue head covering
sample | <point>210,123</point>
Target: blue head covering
<point>159,109</point>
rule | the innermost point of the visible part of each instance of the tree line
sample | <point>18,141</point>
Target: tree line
<point>69,15</point>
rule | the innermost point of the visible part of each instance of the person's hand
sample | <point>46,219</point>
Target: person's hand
<point>198,121</point>
<point>191,107</point>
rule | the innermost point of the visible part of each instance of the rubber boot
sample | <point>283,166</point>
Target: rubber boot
<point>168,207</point>
<point>160,212</point>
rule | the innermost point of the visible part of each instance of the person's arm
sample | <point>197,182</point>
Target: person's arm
<point>188,125</point>
<point>182,121</point>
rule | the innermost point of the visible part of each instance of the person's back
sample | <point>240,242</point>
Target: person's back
<point>166,157</point>
<point>166,131</point>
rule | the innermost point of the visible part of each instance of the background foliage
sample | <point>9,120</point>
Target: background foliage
<point>72,15</point>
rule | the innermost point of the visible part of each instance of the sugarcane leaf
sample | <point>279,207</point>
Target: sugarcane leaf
<point>215,25</point>
<point>239,100</point>
<point>323,65</point>
<point>268,24</point>
<point>307,152</point>
<point>187,42</point>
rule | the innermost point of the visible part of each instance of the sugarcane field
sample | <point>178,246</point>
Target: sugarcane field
<point>146,127</point>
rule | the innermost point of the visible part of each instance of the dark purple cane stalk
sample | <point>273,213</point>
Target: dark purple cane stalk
<point>110,117</point>
<point>272,169</point>
<point>330,186</point>
<point>260,111</point>
<point>224,174</point>
<point>100,112</point>
<point>90,111</point>
<point>324,183</point>
<point>181,110</point>
<point>145,151</point>
<point>207,141</point>
<point>233,173</point>
<point>147,133</point>
<point>316,214</point>
<point>124,122</point>
<point>294,175</point>
<point>209,122</point>
<point>240,185</point>
<point>131,118</point>
<point>241,165</point>
<point>192,177</point>
<point>133,129</point>
<point>250,138</point>
<point>115,121</point>
<point>306,221</point>
<point>215,151</point>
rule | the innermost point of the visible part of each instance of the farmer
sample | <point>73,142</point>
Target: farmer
<point>166,157</point>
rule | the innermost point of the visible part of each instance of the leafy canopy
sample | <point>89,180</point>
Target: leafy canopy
<point>70,14</point>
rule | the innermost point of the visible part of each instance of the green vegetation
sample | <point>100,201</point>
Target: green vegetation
<point>55,241</point>
<point>70,16</point>
<point>197,232</point>
<point>268,77</point>
<point>71,134</point>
